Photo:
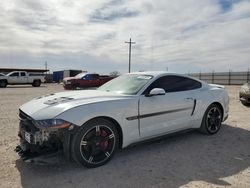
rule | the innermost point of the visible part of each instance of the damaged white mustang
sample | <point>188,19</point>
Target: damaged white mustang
<point>90,125</point>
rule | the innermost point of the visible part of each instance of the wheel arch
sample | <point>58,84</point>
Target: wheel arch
<point>118,126</point>
<point>4,80</point>
<point>35,80</point>
<point>221,108</point>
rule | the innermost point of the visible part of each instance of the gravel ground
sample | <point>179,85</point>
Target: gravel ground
<point>185,160</point>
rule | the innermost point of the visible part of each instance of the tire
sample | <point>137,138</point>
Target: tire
<point>36,83</point>
<point>211,121</point>
<point>245,103</point>
<point>75,86</point>
<point>95,143</point>
<point>3,83</point>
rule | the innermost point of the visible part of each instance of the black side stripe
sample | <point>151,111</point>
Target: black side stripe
<point>193,107</point>
<point>155,114</point>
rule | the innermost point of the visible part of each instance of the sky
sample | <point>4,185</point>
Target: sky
<point>179,36</point>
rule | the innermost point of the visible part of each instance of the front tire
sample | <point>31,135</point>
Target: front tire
<point>3,84</point>
<point>96,142</point>
<point>212,119</point>
<point>245,103</point>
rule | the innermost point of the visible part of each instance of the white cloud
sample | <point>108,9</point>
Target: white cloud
<point>181,35</point>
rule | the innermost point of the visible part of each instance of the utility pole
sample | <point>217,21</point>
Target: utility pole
<point>46,68</point>
<point>129,55</point>
<point>46,65</point>
<point>248,75</point>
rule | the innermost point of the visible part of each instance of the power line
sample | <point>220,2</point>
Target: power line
<point>129,54</point>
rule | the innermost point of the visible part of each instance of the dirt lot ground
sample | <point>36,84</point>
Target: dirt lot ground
<point>186,160</point>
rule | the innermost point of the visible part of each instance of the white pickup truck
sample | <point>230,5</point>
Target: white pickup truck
<point>20,78</point>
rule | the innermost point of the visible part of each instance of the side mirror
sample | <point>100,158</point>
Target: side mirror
<point>156,91</point>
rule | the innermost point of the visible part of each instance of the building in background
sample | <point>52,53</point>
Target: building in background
<point>58,76</point>
<point>35,71</point>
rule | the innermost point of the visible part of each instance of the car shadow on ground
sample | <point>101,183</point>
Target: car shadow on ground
<point>169,162</point>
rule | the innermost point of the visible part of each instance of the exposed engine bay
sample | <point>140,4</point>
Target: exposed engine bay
<point>35,142</point>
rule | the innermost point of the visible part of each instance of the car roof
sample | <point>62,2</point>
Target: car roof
<point>153,73</point>
<point>158,73</point>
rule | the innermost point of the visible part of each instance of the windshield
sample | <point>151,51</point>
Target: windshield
<point>129,84</point>
<point>80,75</point>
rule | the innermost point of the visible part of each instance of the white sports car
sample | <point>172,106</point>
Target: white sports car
<point>90,125</point>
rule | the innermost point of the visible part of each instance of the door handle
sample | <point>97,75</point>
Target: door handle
<point>189,99</point>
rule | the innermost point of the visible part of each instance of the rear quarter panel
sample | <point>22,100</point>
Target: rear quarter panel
<point>205,97</point>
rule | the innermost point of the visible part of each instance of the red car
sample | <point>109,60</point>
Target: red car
<point>84,80</point>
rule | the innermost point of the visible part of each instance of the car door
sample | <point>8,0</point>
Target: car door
<point>95,80</point>
<point>165,113</point>
<point>13,78</point>
<point>23,79</point>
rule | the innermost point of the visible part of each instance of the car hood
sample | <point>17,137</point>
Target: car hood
<point>70,78</point>
<point>51,105</point>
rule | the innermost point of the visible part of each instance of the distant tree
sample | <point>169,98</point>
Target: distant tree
<point>115,73</point>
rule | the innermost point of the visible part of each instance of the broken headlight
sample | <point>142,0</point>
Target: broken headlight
<point>51,123</point>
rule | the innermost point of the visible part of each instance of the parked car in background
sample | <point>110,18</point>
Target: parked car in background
<point>85,80</point>
<point>2,74</point>
<point>20,78</point>
<point>245,94</point>
<point>90,125</point>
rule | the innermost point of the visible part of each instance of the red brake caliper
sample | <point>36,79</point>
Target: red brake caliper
<point>104,143</point>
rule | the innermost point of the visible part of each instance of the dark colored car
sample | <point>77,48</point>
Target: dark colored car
<point>245,94</point>
<point>85,80</point>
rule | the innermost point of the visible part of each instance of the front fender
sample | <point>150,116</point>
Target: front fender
<point>117,110</point>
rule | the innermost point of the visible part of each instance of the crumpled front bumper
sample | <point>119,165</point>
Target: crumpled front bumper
<point>36,143</point>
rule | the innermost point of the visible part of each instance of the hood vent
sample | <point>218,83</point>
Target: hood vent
<point>58,100</point>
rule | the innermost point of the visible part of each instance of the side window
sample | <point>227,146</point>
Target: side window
<point>23,74</point>
<point>88,77</point>
<point>95,76</point>
<point>174,84</point>
<point>14,74</point>
<point>188,84</point>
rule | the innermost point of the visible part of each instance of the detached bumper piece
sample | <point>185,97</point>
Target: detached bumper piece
<point>25,155</point>
<point>39,158</point>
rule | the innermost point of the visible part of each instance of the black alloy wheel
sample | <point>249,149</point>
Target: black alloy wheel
<point>212,119</point>
<point>96,143</point>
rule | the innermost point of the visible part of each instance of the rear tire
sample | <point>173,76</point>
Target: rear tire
<point>3,83</point>
<point>95,143</point>
<point>36,83</point>
<point>211,121</point>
